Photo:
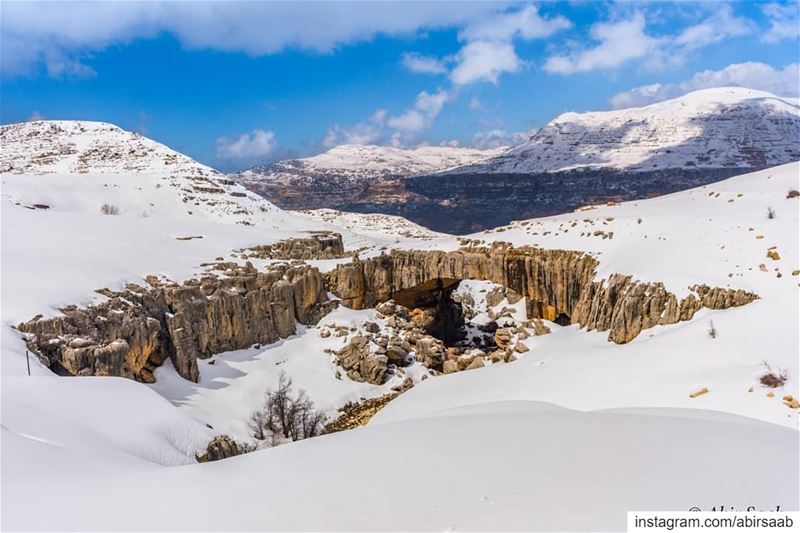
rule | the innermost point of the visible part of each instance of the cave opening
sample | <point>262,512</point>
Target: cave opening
<point>435,310</point>
<point>545,311</point>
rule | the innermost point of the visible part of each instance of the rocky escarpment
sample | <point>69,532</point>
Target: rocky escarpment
<point>232,307</point>
<point>560,286</point>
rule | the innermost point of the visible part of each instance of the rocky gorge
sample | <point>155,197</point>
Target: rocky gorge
<point>234,306</point>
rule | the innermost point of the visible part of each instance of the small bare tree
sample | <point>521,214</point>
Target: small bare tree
<point>770,213</point>
<point>286,415</point>
<point>258,424</point>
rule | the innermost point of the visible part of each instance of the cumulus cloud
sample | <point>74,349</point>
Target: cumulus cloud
<point>423,64</point>
<point>247,146</point>
<point>625,40</point>
<point>719,26</point>
<point>61,35</point>
<point>498,138</point>
<point>525,23</point>
<point>489,51</point>
<point>752,75</point>
<point>420,116</point>
<point>484,61</point>
<point>619,42</point>
<point>397,130</point>
<point>784,20</point>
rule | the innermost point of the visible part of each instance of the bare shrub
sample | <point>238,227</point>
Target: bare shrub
<point>108,209</point>
<point>712,331</point>
<point>773,379</point>
<point>286,415</point>
<point>770,213</point>
<point>793,193</point>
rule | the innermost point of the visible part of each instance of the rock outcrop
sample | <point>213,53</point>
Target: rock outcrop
<point>320,245</point>
<point>560,286</point>
<point>221,447</point>
<point>135,330</point>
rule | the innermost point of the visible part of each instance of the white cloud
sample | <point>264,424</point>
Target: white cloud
<point>752,75</point>
<point>59,34</point>
<point>619,42</point>
<point>489,50</point>
<point>622,41</point>
<point>247,146</point>
<point>525,24</point>
<point>718,27</point>
<point>370,131</point>
<point>398,130</point>
<point>419,117</point>
<point>784,21</point>
<point>423,64</point>
<point>484,61</point>
<point>498,138</point>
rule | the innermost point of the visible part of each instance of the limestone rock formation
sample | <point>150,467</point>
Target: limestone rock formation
<point>320,245</point>
<point>135,330</point>
<point>360,363</point>
<point>221,447</point>
<point>560,286</point>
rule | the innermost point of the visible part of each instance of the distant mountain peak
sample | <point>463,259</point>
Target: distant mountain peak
<point>728,127</point>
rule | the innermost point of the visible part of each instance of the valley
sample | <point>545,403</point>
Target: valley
<point>189,310</point>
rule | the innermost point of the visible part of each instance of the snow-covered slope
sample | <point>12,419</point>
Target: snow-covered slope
<point>352,162</point>
<point>79,166</point>
<point>719,234</point>
<point>500,447</point>
<point>711,128</point>
<point>379,227</point>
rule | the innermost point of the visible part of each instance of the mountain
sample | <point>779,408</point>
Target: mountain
<point>575,160</point>
<point>79,166</point>
<point>350,174</point>
<point>729,127</point>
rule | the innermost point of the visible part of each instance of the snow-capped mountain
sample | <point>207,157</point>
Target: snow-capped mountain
<point>79,166</point>
<point>575,160</point>
<point>729,127</point>
<point>348,172</point>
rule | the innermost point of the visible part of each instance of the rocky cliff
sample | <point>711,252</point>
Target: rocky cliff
<point>233,307</point>
<point>559,285</point>
<point>229,308</point>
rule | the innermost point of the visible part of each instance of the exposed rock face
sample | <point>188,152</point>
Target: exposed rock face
<point>360,363</point>
<point>559,285</point>
<point>221,447</point>
<point>136,330</point>
<point>320,245</point>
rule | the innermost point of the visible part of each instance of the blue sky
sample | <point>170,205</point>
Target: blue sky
<point>233,84</point>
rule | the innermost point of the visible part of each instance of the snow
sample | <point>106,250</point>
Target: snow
<point>521,466</point>
<point>233,384</point>
<point>568,437</point>
<point>711,128</point>
<point>352,161</point>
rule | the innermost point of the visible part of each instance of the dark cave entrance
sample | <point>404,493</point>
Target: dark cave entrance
<point>440,315</point>
<point>545,311</point>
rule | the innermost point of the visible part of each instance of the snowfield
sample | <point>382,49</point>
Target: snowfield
<point>569,437</point>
